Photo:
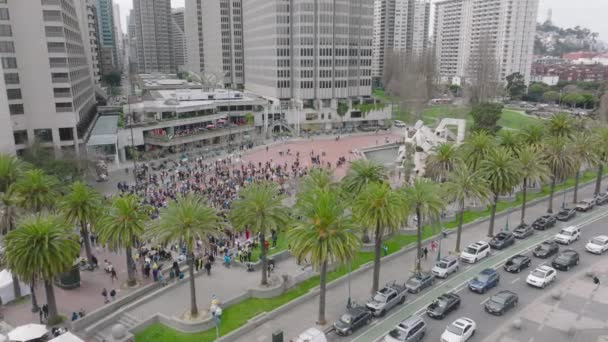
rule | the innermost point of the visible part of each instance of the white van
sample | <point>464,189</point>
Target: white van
<point>312,335</point>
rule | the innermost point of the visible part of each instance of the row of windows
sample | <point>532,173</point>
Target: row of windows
<point>43,135</point>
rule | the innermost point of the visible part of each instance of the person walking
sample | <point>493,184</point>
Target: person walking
<point>45,310</point>
<point>113,294</point>
<point>596,281</point>
<point>426,253</point>
<point>113,275</point>
<point>41,315</point>
<point>208,267</point>
<point>104,293</point>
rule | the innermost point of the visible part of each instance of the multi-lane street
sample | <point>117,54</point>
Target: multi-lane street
<point>592,224</point>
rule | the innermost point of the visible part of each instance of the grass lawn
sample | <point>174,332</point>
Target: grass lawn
<point>237,315</point>
<point>516,120</point>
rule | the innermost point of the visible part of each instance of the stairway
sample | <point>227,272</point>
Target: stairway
<point>126,319</point>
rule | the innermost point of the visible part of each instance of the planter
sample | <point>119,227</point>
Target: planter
<point>69,280</point>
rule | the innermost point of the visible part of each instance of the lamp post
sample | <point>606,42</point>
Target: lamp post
<point>440,237</point>
<point>349,303</point>
<point>507,224</point>
<point>564,199</point>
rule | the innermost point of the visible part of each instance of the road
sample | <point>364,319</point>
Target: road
<point>593,223</point>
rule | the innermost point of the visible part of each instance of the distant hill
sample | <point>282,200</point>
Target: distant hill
<point>555,41</point>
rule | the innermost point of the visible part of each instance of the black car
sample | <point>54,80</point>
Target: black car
<point>353,319</point>
<point>502,240</point>
<point>601,198</point>
<point>566,259</point>
<point>566,214</point>
<point>419,282</point>
<point>517,263</point>
<point>443,305</point>
<point>544,222</point>
<point>499,303</point>
<point>523,231</point>
<point>546,249</point>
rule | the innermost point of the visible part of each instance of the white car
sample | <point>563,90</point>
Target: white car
<point>445,266</point>
<point>475,252</point>
<point>568,235</point>
<point>597,245</point>
<point>460,330</point>
<point>399,123</point>
<point>542,276</point>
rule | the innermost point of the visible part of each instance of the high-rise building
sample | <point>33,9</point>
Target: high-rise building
<point>214,37</point>
<point>400,26</point>
<point>107,39</point>
<point>506,27</point>
<point>153,31</point>
<point>118,36</point>
<point>314,51</point>
<point>179,38</point>
<point>49,88</point>
<point>132,34</point>
<point>90,29</point>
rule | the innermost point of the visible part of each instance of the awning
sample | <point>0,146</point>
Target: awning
<point>105,131</point>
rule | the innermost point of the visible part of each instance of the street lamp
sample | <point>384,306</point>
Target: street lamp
<point>349,303</point>
<point>440,237</point>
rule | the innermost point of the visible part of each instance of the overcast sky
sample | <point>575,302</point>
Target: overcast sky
<point>566,13</point>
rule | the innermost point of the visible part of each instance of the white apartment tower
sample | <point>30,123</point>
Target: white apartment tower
<point>118,36</point>
<point>49,87</point>
<point>508,26</point>
<point>214,39</point>
<point>401,26</point>
<point>314,51</point>
<point>153,31</point>
<point>179,37</point>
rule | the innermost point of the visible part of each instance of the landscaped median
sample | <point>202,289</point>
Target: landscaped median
<point>236,316</point>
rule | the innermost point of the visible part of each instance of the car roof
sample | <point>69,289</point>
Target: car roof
<point>505,293</point>
<point>544,268</point>
<point>570,228</point>
<point>518,256</point>
<point>569,251</point>
<point>410,321</point>
<point>462,322</point>
<point>601,237</point>
<point>478,244</point>
<point>448,258</point>
<point>448,295</point>
<point>356,310</point>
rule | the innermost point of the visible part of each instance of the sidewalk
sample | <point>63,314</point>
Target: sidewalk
<point>304,316</point>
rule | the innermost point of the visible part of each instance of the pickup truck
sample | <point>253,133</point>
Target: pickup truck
<point>387,298</point>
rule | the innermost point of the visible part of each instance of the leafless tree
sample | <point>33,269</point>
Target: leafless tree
<point>483,83</point>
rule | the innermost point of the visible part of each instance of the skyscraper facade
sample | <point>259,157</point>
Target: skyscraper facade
<point>507,27</point>
<point>107,39</point>
<point>179,38</point>
<point>153,23</point>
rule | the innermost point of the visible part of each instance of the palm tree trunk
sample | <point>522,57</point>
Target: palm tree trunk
<point>550,209</point>
<point>35,307</point>
<point>577,177</point>
<point>377,253</point>
<point>50,302</point>
<point>492,216</point>
<point>87,242</point>
<point>523,200</point>
<point>131,281</point>
<point>322,291</point>
<point>263,259</point>
<point>598,180</point>
<point>16,287</point>
<point>419,240</point>
<point>460,220</point>
<point>193,306</point>
<point>365,237</point>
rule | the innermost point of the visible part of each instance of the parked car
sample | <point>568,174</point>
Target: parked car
<point>443,305</point>
<point>601,198</point>
<point>484,281</point>
<point>502,240</point>
<point>568,235</point>
<point>399,123</point>
<point>523,231</point>
<point>566,259</point>
<point>517,263</point>
<point>585,205</point>
<point>542,276</point>
<point>412,329</point>
<point>445,266</point>
<point>461,330</point>
<point>419,282</point>
<point>311,335</point>
<point>475,252</point>
<point>546,249</point>
<point>501,302</point>
<point>353,319</point>
<point>597,244</point>
<point>391,295</point>
<point>566,214</point>
<point>544,222</point>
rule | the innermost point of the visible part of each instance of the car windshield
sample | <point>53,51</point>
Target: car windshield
<point>562,257</point>
<point>538,274</point>
<point>346,318</point>
<point>442,264</point>
<point>441,303</point>
<point>413,281</point>
<point>397,334</point>
<point>471,250</point>
<point>455,329</point>
<point>597,242</point>
<point>499,299</point>
<point>543,247</point>
<point>566,232</point>
<point>514,261</point>
<point>482,278</point>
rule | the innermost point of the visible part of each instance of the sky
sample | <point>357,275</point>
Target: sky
<point>566,13</point>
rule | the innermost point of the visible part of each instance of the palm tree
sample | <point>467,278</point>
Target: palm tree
<point>379,206</point>
<point>533,170</point>
<point>37,190</point>
<point>423,198</point>
<point>185,219</point>
<point>10,169</point>
<point>81,206</point>
<point>476,146</point>
<point>317,178</point>
<point>601,136</point>
<point>532,135</point>
<point>121,225</point>
<point>585,153</point>
<point>465,184</point>
<point>509,139</point>
<point>260,208</point>
<point>560,125</point>
<point>361,173</point>
<point>441,161</point>
<point>559,159</point>
<point>502,172</point>
<point>8,217</point>
<point>325,233</point>
<point>42,248</point>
